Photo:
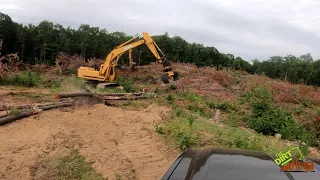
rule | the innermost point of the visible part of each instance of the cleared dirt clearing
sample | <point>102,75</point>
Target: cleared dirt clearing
<point>113,140</point>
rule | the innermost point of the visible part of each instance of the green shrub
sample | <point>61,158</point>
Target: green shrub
<point>127,84</point>
<point>298,110</point>
<point>172,87</point>
<point>268,118</point>
<point>27,79</point>
<point>222,105</point>
<point>307,102</point>
<point>186,140</point>
<point>159,129</point>
<point>191,96</point>
<point>169,98</point>
<point>182,133</point>
<point>199,108</point>
<point>178,112</point>
<point>190,120</point>
<point>195,107</point>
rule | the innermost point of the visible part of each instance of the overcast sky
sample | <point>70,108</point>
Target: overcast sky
<point>247,28</point>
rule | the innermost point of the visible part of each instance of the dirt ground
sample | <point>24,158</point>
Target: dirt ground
<point>113,140</point>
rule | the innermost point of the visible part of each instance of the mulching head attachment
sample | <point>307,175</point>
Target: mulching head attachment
<point>166,77</point>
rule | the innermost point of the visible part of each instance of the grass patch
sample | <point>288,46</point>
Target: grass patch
<point>227,106</point>
<point>256,108</point>
<point>33,95</point>
<point>54,85</point>
<point>26,79</point>
<point>231,120</point>
<point>30,79</point>
<point>118,177</point>
<point>189,101</point>
<point>71,166</point>
<point>186,131</point>
<point>78,82</point>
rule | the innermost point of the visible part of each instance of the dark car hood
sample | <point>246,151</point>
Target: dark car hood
<point>230,164</point>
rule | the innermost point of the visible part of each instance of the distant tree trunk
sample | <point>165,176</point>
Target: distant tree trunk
<point>285,77</point>
<point>139,57</point>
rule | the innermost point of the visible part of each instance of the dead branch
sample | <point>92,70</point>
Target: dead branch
<point>11,118</point>
<point>290,98</point>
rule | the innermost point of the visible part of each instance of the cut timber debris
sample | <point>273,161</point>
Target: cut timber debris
<point>94,94</point>
<point>30,106</point>
<point>19,115</point>
<point>3,115</point>
<point>290,98</point>
<point>124,97</point>
<point>6,118</point>
<point>56,106</point>
<point>74,95</point>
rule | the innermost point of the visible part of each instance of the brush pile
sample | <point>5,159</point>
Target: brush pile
<point>68,64</point>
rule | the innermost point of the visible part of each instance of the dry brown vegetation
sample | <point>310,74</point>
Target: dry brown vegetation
<point>121,141</point>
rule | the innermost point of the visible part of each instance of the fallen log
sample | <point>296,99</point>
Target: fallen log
<point>17,116</point>
<point>30,106</point>
<point>55,106</point>
<point>123,97</point>
<point>53,103</point>
<point>74,95</point>
<point>94,94</point>
<point>121,94</point>
<point>3,115</point>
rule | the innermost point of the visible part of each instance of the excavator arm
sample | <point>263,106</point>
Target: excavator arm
<point>107,72</point>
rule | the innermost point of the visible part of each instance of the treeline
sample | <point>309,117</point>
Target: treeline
<point>303,69</point>
<point>41,44</point>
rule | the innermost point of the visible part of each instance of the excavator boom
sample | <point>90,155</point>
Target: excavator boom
<point>107,72</point>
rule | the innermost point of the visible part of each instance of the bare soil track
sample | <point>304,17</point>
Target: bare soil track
<point>113,140</point>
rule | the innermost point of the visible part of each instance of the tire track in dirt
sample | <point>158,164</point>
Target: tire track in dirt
<point>142,149</point>
<point>113,140</point>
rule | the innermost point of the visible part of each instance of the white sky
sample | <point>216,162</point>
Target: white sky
<point>246,28</point>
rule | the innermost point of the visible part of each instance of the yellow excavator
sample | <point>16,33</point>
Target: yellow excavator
<point>108,73</point>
